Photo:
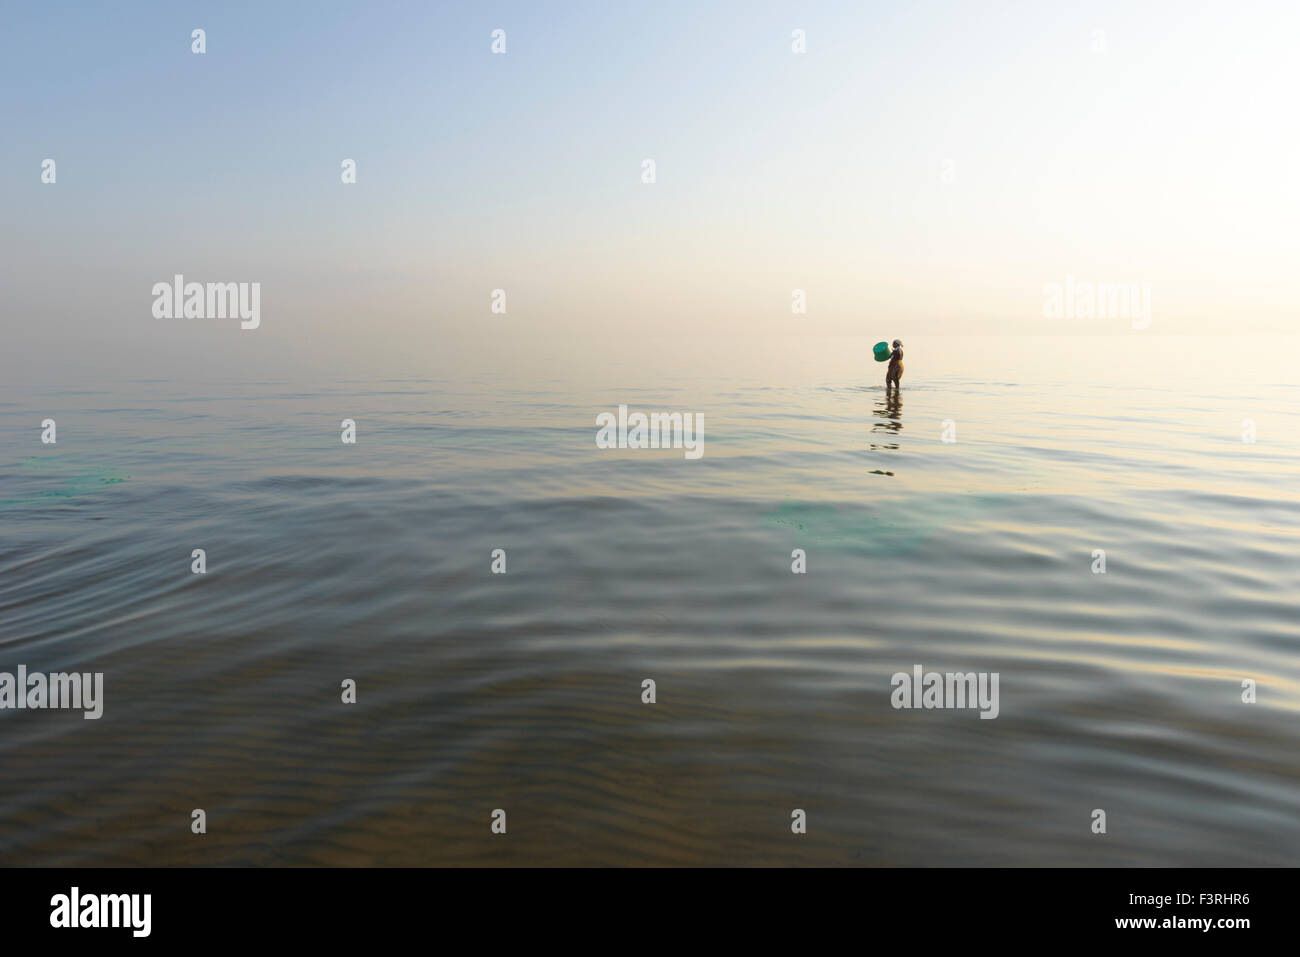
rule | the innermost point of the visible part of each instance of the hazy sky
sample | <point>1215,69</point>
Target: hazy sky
<point>1171,157</point>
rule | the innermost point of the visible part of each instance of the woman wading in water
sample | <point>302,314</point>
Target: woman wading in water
<point>895,370</point>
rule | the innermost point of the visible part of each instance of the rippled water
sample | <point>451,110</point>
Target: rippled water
<point>522,691</point>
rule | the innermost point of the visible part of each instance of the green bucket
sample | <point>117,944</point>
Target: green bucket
<point>882,351</point>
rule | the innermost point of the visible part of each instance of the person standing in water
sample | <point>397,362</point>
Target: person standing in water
<point>895,370</point>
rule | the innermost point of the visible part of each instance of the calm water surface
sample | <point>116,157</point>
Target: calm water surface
<point>522,691</point>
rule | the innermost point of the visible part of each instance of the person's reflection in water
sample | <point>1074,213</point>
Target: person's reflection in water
<point>889,417</point>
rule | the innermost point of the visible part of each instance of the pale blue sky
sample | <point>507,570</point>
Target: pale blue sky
<point>1170,159</point>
